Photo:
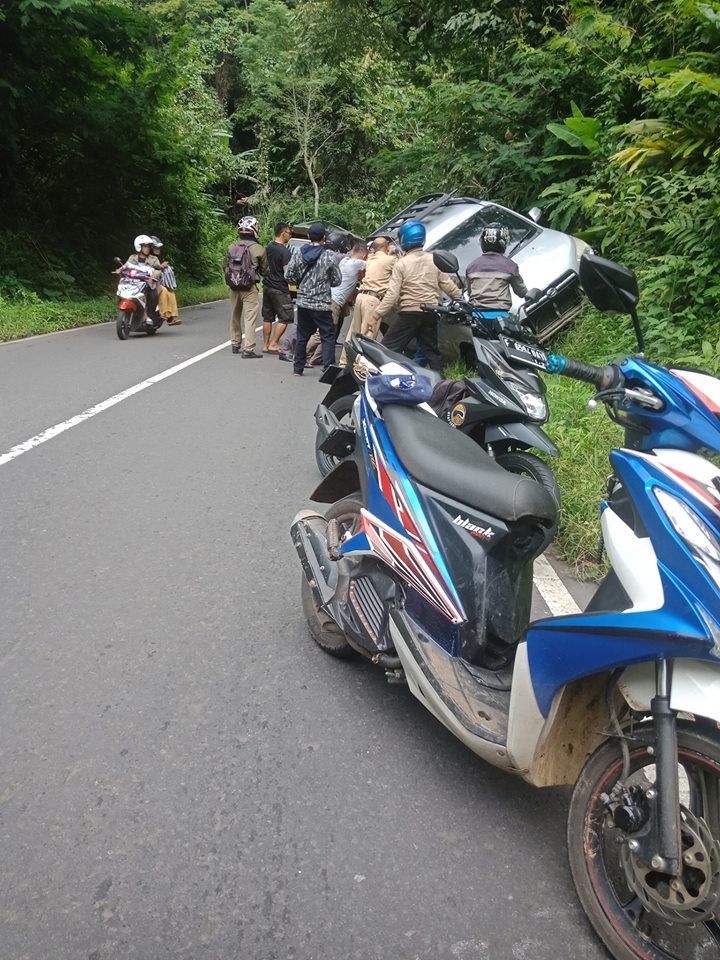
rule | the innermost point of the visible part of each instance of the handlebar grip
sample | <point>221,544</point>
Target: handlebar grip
<point>429,307</point>
<point>600,377</point>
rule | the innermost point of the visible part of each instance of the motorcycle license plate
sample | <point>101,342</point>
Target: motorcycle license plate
<point>526,353</point>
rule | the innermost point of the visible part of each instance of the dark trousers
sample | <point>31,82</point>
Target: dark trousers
<point>151,301</point>
<point>308,321</point>
<point>415,325</point>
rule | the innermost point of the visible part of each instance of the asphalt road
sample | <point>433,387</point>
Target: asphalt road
<point>183,774</point>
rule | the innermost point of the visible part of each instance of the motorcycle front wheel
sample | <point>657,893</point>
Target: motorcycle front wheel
<point>342,408</point>
<point>641,914</point>
<point>529,465</point>
<point>122,323</point>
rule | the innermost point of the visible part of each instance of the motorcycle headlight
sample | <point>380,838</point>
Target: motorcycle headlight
<point>534,404</point>
<point>693,531</point>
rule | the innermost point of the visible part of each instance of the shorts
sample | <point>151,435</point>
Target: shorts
<point>277,303</point>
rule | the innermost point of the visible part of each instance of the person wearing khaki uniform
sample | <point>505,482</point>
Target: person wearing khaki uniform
<point>245,304</point>
<point>378,270</point>
<point>415,280</point>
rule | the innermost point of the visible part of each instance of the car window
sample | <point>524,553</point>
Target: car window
<point>464,240</point>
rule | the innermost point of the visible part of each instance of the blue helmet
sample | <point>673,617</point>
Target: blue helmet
<point>412,234</point>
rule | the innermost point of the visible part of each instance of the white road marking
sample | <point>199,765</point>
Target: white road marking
<point>59,428</point>
<point>550,586</point>
<point>553,591</point>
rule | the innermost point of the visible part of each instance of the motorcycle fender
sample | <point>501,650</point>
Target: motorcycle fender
<point>695,687</point>
<point>526,435</point>
<point>341,482</point>
<point>127,305</point>
<point>343,386</point>
<point>551,752</point>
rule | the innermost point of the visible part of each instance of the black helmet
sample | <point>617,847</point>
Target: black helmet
<point>494,238</point>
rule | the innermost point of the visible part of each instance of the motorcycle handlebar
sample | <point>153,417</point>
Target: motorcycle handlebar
<point>601,378</point>
<point>453,313</point>
<point>438,308</point>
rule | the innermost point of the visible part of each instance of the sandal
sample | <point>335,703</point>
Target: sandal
<point>174,322</point>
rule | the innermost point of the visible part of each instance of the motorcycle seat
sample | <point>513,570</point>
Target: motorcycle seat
<point>378,354</point>
<point>450,463</point>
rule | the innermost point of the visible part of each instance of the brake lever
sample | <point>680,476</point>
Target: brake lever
<point>644,398</point>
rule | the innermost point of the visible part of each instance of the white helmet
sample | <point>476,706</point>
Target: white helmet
<point>143,240</point>
<point>249,225</point>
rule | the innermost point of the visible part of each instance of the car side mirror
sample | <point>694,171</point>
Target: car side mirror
<point>535,213</point>
<point>611,288</point>
<point>446,262</point>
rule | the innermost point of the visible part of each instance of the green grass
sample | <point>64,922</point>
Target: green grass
<point>584,438</point>
<point>26,314</point>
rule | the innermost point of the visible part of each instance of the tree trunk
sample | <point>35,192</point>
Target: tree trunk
<point>316,192</point>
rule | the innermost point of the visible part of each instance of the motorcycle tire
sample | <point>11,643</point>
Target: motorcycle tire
<point>122,323</point>
<point>530,465</point>
<point>342,408</point>
<point>323,629</point>
<point>627,928</point>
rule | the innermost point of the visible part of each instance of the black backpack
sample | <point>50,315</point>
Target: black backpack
<point>240,273</point>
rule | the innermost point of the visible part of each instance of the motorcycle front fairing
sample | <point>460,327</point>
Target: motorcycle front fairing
<point>132,288</point>
<point>679,617</point>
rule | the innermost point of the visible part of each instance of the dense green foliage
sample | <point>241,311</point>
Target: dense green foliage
<point>176,116</point>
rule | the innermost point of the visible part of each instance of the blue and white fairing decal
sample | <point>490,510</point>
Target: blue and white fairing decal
<point>394,525</point>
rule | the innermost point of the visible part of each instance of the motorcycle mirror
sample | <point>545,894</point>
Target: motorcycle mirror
<point>117,262</point>
<point>611,288</point>
<point>445,261</point>
<point>533,295</point>
<point>535,213</point>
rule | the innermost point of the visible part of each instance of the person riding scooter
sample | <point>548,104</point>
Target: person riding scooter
<point>492,275</point>
<point>144,255</point>
<point>167,301</point>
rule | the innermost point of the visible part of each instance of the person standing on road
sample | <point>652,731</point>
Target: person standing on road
<point>352,268</point>
<point>277,303</point>
<point>378,270</point>
<point>245,262</point>
<point>415,280</point>
<point>315,271</point>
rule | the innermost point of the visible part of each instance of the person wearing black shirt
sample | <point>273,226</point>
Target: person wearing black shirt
<point>277,302</point>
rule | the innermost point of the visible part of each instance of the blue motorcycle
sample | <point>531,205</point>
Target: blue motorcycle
<point>423,564</point>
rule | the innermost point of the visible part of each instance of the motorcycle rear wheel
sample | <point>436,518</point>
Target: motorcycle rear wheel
<point>627,928</point>
<point>122,323</point>
<point>323,629</point>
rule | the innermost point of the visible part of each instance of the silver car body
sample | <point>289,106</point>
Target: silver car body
<point>455,224</point>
